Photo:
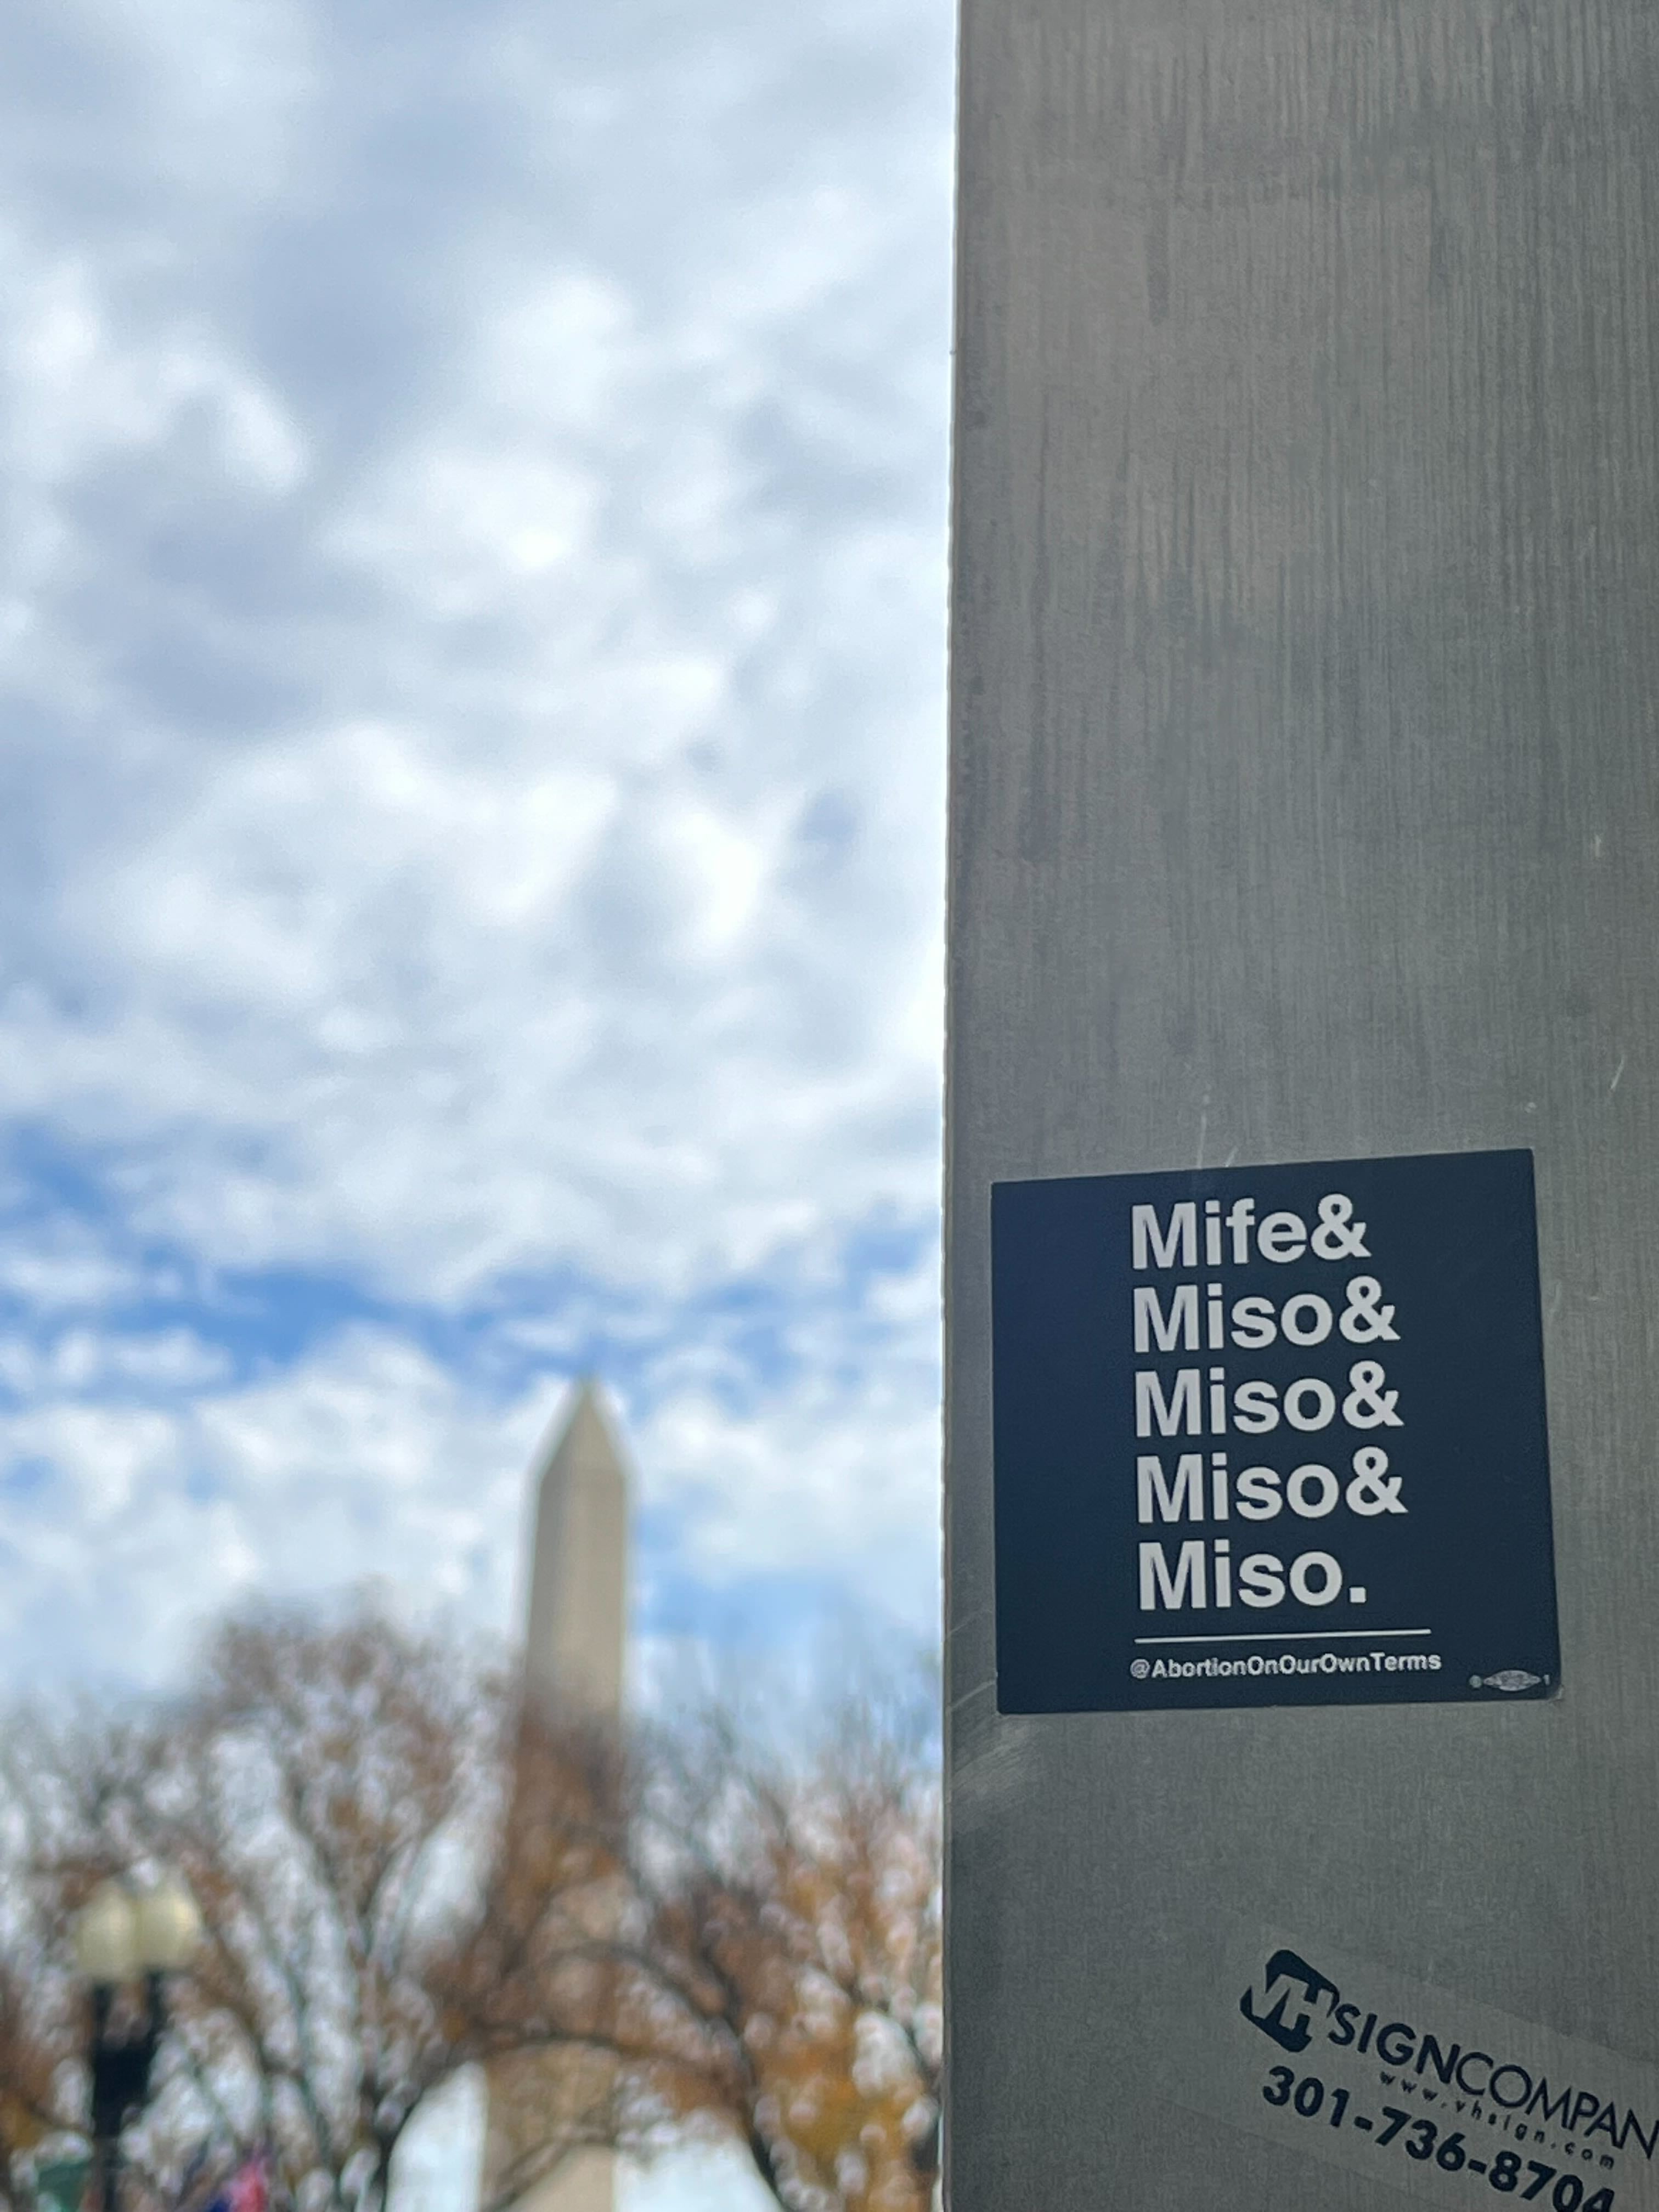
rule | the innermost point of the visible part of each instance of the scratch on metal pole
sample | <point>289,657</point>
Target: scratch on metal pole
<point>1617,1073</point>
<point>979,1690</point>
<point>965,1620</point>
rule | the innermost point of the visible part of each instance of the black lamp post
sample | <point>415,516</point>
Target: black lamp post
<point>128,1941</point>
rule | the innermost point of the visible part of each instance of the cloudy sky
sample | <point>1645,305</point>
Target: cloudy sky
<point>472,620</point>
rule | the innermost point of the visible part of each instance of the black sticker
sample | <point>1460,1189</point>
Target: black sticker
<point>1271,1436</point>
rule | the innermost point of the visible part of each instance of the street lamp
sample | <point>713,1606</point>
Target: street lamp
<point>122,1936</point>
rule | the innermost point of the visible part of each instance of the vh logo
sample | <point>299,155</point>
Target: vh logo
<point>1289,2002</point>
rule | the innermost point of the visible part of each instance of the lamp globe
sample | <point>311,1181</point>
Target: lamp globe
<point>168,1927</point>
<point>107,1936</point>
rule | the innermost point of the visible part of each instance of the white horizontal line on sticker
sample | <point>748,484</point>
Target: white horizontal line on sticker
<point>1296,1636</point>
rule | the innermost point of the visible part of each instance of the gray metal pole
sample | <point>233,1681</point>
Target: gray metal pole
<point>1305,808</point>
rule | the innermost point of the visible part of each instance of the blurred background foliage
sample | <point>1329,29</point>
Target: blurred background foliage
<point>721,1926</point>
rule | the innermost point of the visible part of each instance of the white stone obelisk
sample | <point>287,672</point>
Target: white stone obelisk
<point>575,1630</point>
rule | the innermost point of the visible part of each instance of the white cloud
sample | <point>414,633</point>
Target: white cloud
<point>84,1360</point>
<point>471,649</point>
<point>147,1487</point>
<point>835,1478</point>
<point>365,1461</point>
<point>60,1265</point>
<point>211,90</point>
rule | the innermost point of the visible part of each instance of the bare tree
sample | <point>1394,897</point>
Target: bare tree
<point>789,1972</point>
<point>732,1929</point>
<point>38,2022</point>
<point>36,2056</point>
<point>340,1798</point>
<point>535,1987</point>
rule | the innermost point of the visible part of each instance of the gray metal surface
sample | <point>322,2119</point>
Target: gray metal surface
<point>1305,804</point>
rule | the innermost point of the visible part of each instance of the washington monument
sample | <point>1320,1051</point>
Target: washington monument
<point>576,1628</point>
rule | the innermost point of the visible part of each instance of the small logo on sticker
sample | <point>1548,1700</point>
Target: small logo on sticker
<point>1288,1978</point>
<point>1507,1678</point>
